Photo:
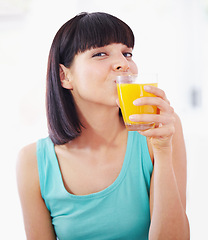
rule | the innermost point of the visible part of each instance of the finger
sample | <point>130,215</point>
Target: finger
<point>161,132</point>
<point>156,91</point>
<point>155,101</point>
<point>157,119</point>
<point>117,102</point>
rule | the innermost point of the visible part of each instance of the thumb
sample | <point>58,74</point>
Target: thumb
<point>117,102</point>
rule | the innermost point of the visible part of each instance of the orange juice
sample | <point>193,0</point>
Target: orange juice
<point>127,93</point>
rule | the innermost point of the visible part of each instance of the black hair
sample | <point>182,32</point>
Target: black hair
<point>83,32</point>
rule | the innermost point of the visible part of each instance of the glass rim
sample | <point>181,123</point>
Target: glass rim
<point>140,78</point>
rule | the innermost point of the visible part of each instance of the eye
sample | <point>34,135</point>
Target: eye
<point>128,54</point>
<point>100,54</point>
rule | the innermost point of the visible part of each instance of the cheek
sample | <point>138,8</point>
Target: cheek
<point>92,76</point>
<point>85,81</point>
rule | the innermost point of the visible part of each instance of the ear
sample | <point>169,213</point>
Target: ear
<point>65,77</point>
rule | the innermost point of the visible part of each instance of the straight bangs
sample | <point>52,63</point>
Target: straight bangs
<point>100,29</point>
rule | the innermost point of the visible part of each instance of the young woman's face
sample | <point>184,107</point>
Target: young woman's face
<point>92,73</point>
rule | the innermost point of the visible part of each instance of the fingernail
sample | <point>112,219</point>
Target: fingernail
<point>147,88</point>
<point>132,118</point>
<point>137,101</point>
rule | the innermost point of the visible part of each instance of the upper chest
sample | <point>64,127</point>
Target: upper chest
<point>89,172</point>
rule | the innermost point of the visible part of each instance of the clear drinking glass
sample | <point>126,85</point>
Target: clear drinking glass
<point>131,87</point>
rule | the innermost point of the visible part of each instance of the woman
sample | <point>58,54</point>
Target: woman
<point>91,178</point>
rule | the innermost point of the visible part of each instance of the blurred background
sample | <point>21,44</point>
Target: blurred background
<point>171,39</point>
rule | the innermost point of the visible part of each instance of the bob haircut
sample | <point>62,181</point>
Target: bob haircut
<point>83,32</point>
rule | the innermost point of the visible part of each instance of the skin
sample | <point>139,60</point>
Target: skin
<point>99,152</point>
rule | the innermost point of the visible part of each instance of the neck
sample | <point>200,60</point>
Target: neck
<point>102,128</point>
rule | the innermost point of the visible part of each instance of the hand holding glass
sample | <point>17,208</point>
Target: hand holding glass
<point>130,88</point>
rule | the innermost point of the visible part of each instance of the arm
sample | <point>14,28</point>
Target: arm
<point>168,191</point>
<point>36,216</point>
<point>168,182</point>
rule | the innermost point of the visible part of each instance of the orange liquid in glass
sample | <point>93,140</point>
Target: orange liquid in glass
<point>127,93</point>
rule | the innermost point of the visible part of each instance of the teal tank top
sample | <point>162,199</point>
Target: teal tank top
<point>121,211</point>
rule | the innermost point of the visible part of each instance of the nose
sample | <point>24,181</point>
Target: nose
<point>121,64</point>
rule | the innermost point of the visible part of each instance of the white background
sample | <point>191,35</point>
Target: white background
<point>171,39</point>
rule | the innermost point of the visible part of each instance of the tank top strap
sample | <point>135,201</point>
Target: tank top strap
<point>140,156</point>
<point>48,168</point>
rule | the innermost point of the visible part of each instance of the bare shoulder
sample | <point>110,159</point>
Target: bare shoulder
<point>26,167</point>
<point>27,157</point>
<point>180,159</point>
<point>179,149</point>
<point>37,218</point>
<point>27,151</point>
<point>178,127</point>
